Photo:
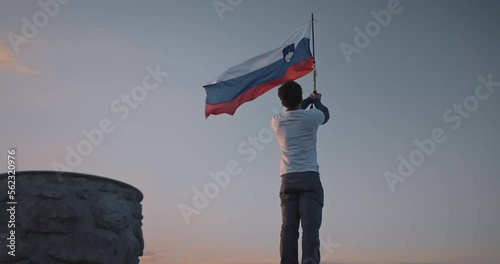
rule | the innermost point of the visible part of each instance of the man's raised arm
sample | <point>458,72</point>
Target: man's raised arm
<point>317,103</point>
<point>306,102</point>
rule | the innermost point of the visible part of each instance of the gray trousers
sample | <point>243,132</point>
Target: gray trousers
<point>301,196</point>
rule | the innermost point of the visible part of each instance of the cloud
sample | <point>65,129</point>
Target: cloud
<point>10,63</point>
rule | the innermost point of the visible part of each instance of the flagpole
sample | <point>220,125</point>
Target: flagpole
<point>314,54</point>
<point>314,57</point>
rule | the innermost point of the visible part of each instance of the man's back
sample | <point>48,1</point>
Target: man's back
<point>296,131</point>
<point>301,192</point>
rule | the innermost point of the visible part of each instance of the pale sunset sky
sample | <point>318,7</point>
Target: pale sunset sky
<point>430,73</point>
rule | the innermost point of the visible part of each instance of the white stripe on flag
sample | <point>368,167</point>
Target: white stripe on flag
<point>267,58</point>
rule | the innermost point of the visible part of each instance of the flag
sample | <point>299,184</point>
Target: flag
<point>248,80</point>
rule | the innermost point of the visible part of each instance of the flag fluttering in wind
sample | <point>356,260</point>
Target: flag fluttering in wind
<point>248,80</point>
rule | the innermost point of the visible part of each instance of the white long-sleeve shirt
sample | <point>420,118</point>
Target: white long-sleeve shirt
<point>296,131</point>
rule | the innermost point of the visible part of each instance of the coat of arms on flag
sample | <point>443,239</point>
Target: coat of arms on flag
<point>288,52</point>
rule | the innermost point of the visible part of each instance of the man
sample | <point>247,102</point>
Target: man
<point>301,192</point>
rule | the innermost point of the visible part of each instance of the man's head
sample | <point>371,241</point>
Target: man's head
<point>290,94</point>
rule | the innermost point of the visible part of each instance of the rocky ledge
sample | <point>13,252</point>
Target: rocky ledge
<point>52,217</point>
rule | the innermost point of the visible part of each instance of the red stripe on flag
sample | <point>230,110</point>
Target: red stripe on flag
<point>293,72</point>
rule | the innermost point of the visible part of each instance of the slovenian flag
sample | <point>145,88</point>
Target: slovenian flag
<point>246,81</point>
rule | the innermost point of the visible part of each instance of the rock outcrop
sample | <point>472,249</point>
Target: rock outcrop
<point>70,218</point>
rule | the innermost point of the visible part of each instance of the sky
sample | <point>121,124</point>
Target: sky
<point>409,161</point>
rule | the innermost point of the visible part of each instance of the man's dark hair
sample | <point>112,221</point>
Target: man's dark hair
<point>290,94</point>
